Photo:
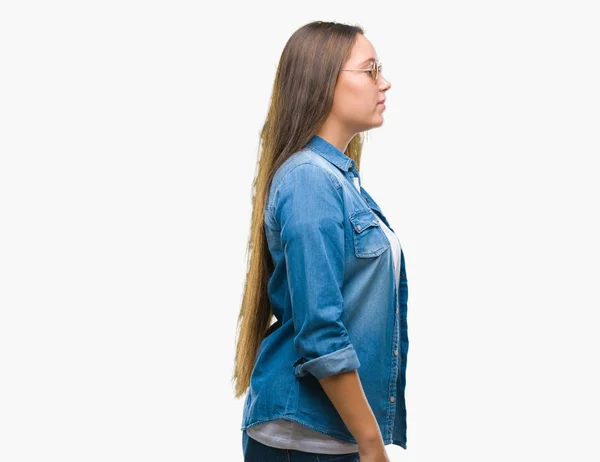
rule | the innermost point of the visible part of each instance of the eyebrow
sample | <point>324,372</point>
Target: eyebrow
<point>367,61</point>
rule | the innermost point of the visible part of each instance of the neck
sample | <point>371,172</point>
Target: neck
<point>335,134</point>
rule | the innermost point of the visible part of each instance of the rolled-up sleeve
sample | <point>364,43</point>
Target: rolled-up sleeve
<point>310,212</point>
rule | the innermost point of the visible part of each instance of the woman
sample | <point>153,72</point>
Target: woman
<point>326,380</point>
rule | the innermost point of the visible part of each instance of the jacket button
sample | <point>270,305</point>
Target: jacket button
<point>358,227</point>
<point>392,399</point>
<point>375,221</point>
<point>395,352</point>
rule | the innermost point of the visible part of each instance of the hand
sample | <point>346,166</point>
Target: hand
<point>374,455</point>
<point>373,451</point>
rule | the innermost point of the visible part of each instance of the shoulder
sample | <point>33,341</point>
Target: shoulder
<point>306,189</point>
<point>304,172</point>
<point>305,165</point>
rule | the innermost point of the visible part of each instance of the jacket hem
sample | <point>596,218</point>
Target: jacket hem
<point>400,443</point>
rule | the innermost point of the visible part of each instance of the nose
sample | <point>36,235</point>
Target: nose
<point>384,84</point>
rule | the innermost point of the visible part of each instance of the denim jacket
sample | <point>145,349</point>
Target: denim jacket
<point>333,292</point>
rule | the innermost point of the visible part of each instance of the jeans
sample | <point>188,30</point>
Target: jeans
<point>255,451</point>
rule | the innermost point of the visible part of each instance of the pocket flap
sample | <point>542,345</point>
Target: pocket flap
<point>363,219</point>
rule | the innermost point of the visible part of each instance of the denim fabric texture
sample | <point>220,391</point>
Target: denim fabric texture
<point>255,451</point>
<point>334,295</point>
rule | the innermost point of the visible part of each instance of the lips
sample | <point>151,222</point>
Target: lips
<point>381,102</point>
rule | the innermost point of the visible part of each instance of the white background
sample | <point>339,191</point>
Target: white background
<point>128,141</point>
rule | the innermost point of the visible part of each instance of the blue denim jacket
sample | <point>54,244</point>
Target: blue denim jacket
<point>335,297</point>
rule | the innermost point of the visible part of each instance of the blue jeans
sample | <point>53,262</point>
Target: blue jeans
<point>255,451</point>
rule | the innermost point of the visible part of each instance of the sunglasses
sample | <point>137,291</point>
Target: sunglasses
<point>374,70</point>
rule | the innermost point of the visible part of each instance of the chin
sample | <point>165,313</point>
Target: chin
<point>374,123</point>
<point>380,123</point>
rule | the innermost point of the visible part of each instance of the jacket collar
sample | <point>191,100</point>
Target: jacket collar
<point>330,152</point>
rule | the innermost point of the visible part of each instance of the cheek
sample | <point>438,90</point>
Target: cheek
<point>353,101</point>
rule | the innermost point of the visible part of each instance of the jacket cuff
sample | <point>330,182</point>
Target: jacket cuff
<point>342,360</point>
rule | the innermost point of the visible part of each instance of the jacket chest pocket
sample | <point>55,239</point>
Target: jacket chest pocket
<point>369,239</point>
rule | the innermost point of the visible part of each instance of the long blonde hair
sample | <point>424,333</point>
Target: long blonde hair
<point>301,100</point>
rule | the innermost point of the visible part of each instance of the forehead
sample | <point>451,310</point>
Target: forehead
<point>362,51</point>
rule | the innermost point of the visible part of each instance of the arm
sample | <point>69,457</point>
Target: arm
<point>310,211</point>
<point>346,393</point>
